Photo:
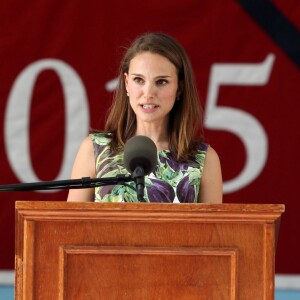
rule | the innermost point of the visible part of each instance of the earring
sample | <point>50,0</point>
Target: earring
<point>127,94</point>
<point>178,97</point>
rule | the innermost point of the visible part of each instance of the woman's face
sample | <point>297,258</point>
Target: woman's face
<point>152,84</point>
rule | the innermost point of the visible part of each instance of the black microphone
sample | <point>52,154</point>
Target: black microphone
<point>140,159</point>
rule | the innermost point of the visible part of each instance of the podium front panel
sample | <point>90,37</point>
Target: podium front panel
<point>141,251</point>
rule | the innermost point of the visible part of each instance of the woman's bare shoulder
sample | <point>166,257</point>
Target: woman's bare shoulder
<point>211,182</point>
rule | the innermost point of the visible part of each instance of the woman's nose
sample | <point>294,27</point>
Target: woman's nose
<point>149,91</point>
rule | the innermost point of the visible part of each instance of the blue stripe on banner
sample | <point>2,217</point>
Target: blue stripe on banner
<point>287,295</point>
<point>287,286</point>
<point>277,26</point>
<point>6,292</point>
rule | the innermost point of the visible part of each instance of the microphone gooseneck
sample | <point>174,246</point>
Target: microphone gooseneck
<point>140,159</point>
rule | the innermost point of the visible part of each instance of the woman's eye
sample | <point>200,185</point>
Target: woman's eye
<point>161,82</point>
<point>138,79</point>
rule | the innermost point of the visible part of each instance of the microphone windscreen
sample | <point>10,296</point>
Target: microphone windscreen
<point>140,151</point>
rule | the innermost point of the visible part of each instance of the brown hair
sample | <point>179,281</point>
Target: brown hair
<point>186,115</point>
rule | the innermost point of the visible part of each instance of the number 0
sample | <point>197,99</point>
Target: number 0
<point>18,111</point>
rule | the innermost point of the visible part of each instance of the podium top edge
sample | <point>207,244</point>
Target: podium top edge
<point>224,207</point>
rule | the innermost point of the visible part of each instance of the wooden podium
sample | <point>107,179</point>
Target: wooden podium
<point>145,251</point>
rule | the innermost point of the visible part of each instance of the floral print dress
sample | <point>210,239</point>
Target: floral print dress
<point>171,181</point>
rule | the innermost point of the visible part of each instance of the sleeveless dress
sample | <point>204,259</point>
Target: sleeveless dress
<point>171,181</point>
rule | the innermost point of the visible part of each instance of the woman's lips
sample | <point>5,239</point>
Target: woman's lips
<point>148,107</point>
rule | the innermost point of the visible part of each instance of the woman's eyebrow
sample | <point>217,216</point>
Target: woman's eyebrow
<point>159,76</point>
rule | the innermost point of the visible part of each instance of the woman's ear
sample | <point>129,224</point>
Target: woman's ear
<point>125,79</point>
<point>179,91</point>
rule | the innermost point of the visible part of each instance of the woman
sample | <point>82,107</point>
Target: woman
<point>156,97</point>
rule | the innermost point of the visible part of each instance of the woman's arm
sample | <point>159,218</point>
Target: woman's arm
<point>211,188</point>
<point>84,166</point>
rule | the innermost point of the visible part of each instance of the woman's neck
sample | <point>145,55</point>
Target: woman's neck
<point>158,135</point>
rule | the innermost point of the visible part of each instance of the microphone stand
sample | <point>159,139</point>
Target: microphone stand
<point>84,182</point>
<point>139,177</point>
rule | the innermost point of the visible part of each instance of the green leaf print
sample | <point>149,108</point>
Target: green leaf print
<point>194,176</point>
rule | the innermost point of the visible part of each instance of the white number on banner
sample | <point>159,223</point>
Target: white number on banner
<point>245,126</point>
<point>18,112</point>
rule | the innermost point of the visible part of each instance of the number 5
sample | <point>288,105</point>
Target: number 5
<point>245,126</point>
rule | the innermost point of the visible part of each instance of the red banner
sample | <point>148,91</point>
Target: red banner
<point>59,61</point>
